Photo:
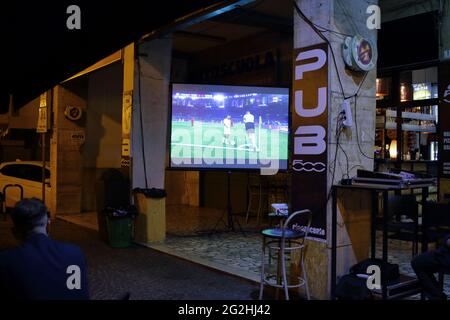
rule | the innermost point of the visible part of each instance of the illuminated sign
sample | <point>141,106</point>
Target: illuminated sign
<point>421,91</point>
<point>360,54</point>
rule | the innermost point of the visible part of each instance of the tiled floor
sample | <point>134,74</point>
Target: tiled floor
<point>190,236</point>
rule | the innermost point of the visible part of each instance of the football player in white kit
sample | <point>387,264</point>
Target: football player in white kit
<point>227,123</point>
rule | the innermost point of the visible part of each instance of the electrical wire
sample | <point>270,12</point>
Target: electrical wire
<point>323,29</point>
<point>141,121</point>
<point>357,133</point>
<point>339,127</point>
<point>347,161</point>
<point>356,119</point>
<point>320,34</point>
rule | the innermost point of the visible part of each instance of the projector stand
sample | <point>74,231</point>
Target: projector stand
<point>229,224</point>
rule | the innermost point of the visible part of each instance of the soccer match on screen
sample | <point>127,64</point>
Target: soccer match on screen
<point>229,126</point>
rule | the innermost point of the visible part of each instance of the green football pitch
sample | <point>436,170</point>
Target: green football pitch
<point>205,140</point>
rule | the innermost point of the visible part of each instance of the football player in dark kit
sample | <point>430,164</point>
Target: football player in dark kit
<point>249,121</point>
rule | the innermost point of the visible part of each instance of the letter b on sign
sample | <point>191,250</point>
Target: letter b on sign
<point>310,140</point>
<point>74,279</point>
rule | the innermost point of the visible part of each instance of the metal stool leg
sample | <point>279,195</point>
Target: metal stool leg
<point>249,206</point>
<point>261,287</point>
<point>441,280</point>
<point>305,276</point>
<point>258,217</point>
<point>283,270</point>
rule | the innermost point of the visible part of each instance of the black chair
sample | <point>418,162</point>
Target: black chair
<point>435,226</point>
<point>435,223</point>
<point>403,211</point>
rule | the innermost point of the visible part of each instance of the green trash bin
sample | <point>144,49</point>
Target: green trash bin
<point>120,231</point>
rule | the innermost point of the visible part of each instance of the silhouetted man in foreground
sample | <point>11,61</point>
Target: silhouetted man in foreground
<point>40,268</point>
<point>425,265</point>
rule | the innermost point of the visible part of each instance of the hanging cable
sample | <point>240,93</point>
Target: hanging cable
<point>320,34</point>
<point>356,118</point>
<point>141,120</point>
<point>357,133</point>
<point>339,127</point>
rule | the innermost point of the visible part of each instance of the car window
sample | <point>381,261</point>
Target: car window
<point>11,170</point>
<point>34,173</point>
<point>25,171</point>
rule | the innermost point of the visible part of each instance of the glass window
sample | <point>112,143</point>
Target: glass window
<point>34,173</point>
<point>418,84</point>
<point>383,86</point>
<point>25,171</point>
<point>11,171</point>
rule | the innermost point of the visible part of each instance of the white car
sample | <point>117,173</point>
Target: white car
<point>27,174</point>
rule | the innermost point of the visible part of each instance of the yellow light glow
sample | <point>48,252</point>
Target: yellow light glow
<point>393,149</point>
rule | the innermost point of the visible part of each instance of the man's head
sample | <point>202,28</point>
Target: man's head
<point>228,117</point>
<point>29,216</point>
<point>247,112</point>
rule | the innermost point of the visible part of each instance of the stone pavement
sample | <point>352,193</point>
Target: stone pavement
<point>145,273</point>
<point>240,254</point>
<point>112,273</point>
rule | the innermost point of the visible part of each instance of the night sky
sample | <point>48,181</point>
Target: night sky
<point>39,51</point>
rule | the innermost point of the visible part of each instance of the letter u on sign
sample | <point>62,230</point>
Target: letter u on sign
<point>311,112</point>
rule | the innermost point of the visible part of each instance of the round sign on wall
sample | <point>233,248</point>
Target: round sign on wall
<point>73,113</point>
<point>360,54</point>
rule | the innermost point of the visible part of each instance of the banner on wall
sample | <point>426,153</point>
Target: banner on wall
<point>309,137</point>
<point>42,124</point>
<point>444,120</point>
<point>127,108</point>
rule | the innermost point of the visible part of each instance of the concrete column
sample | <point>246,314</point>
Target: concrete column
<point>65,143</point>
<point>149,134</point>
<point>152,76</point>
<point>353,209</point>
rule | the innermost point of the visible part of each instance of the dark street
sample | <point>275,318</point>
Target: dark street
<point>143,272</point>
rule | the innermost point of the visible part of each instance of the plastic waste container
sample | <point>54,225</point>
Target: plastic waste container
<point>150,224</point>
<point>113,191</point>
<point>120,226</point>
